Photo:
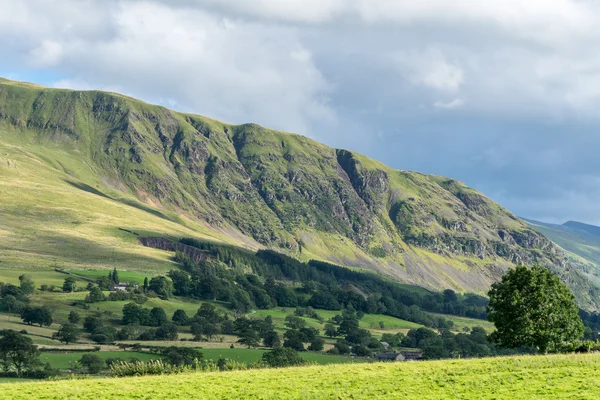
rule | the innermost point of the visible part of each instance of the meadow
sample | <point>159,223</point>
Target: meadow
<point>523,377</point>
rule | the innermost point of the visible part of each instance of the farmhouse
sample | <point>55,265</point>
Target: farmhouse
<point>402,356</point>
<point>119,287</point>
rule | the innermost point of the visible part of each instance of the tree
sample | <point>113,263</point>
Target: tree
<point>68,285</point>
<point>115,276</point>
<point>17,351</point>
<point>317,344</point>
<point>181,355</point>
<point>294,340</point>
<point>146,284</point>
<point>166,332</point>
<point>180,317</point>
<point>271,339</point>
<point>158,317</point>
<point>282,357</point>
<point>209,313</point>
<point>249,337</point>
<point>532,307</point>
<point>161,286</point>
<point>92,362</point>
<point>67,333</point>
<point>26,284</point>
<point>37,315</point>
<point>95,296</point>
<point>104,334</point>
<point>330,330</point>
<point>135,315</point>
<point>74,317</point>
<point>91,323</point>
<point>294,322</point>
<point>11,304</point>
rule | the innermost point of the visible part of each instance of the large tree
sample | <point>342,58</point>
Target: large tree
<point>67,333</point>
<point>37,315</point>
<point>531,307</point>
<point>68,285</point>
<point>17,351</point>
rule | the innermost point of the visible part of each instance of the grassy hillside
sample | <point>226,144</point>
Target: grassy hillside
<point>80,170</point>
<point>581,243</point>
<point>556,377</point>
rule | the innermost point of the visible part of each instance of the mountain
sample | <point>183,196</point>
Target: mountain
<point>80,171</point>
<point>580,241</point>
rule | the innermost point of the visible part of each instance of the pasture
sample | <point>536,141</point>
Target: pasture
<point>523,377</point>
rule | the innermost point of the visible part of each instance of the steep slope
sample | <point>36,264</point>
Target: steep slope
<point>581,242</point>
<point>252,187</point>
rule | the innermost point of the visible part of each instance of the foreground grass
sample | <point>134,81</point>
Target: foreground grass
<point>524,377</point>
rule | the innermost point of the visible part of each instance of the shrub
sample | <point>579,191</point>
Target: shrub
<point>282,357</point>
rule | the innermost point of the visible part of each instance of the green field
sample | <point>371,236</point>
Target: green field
<point>65,361</point>
<point>524,377</point>
<point>68,360</point>
<point>368,321</point>
<point>250,356</point>
<point>124,276</point>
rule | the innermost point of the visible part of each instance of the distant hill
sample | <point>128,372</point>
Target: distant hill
<point>81,170</point>
<point>580,241</point>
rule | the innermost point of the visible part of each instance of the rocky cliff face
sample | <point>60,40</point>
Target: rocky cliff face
<point>286,191</point>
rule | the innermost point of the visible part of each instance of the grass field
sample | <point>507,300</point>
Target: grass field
<point>524,377</point>
<point>250,356</point>
<point>124,276</point>
<point>65,361</point>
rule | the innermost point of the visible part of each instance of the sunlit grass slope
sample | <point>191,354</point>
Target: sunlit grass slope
<point>549,377</point>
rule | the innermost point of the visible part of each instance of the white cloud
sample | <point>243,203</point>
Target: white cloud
<point>450,105</point>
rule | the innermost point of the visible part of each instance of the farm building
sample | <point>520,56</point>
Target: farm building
<point>402,356</point>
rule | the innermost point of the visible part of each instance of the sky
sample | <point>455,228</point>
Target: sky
<point>501,94</point>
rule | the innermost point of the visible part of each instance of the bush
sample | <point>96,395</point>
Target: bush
<point>282,357</point>
<point>92,362</point>
<point>317,345</point>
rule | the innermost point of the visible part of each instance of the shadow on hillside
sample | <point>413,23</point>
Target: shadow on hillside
<point>87,188</point>
<point>131,203</point>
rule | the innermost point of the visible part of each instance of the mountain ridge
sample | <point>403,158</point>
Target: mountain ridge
<point>256,187</point>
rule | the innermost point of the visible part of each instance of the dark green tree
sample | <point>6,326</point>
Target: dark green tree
<point>17,351</point>
<point>92,362</point>
<point>104,334</point>
<point>37,315</point>
<point>115,276</point>
<point>166,332</point>
<point>317,344</point>
<point>271,339</point>
<point>282,357</point>
<point>67,333</point>
<point>531,307</point>
<point>74,317</point>
<point>294,322</point>
<point>135,315</point>
<point>294,339</point>
<point>95,296</point>
<point>161,286</point>
<point>68,285</point>
<point>249,337</point>
<point>181,355</point>
<point>26,284</point>
<point>330,330</point>
<point>146,284</point>
<point>92,323</point>
<point>180,317</point>
<point>158,317</point>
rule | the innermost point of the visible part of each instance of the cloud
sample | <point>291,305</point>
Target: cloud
<point>451,105</point>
